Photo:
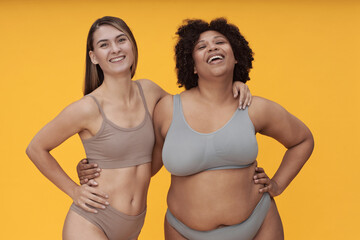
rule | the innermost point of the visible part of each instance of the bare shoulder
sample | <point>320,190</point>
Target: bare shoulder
<point>263,106</point>
<point>262,111</point>
<point>82,110</point>
<point>148,85</point>
<point>151,89</point>
<point>260,102</point>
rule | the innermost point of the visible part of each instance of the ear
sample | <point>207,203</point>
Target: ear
<point>93,57</point>
<point>236,61</point>
<point>195,71</point>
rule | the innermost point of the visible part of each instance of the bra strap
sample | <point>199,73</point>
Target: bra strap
<point>99,106</point>
<point>176,107</point>
<point>142,96</point>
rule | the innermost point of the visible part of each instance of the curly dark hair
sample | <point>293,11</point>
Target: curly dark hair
<point>189,33</point>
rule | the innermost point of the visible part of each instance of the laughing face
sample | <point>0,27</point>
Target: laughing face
<point>112,51</point>
<point>213,55</point>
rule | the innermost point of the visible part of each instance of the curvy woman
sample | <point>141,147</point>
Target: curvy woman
<point>114,122</point>
<point>209,145</point>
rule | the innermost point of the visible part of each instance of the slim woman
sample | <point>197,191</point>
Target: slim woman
<point>209,146</point>
<point>114,122</point>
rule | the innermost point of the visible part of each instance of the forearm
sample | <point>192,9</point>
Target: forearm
<point>156,163</point>
<point>50,168</point>
<point>292,162</point>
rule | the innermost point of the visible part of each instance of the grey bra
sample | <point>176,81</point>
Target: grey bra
<point>187,151</point>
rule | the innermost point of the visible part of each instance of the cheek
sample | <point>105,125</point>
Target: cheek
<point>197,58</point>
<point>100,55</point>
<point>231,52</point>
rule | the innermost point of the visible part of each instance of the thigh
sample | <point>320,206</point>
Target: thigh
<point>171,233</point>
<point>272,228</point>
<point>77,227</point>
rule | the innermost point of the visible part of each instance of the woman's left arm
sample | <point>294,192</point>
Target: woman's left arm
<point>272,120</point>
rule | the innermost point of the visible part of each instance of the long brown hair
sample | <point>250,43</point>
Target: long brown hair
<point>94,75</point>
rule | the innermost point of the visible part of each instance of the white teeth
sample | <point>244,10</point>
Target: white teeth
<point>117,59</point>
<point>214,58</point>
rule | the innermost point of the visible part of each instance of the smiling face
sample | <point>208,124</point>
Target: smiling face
<point>213,55</point>
<point>112,50</point>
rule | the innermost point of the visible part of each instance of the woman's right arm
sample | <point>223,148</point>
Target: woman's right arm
<point>162,120</point>
<point>73,119</point>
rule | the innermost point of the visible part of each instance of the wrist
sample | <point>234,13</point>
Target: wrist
<point>72,191</point>
<point>276,187</point>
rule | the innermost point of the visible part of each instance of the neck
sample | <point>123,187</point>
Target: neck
<point>118,88</point>
<point>216,90</point>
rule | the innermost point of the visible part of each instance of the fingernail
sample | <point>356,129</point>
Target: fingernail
<point>256,181</point>
<point>96,174</point>
<point>96,211</point>
<point>107,203</point>
<point>103,207</point>
<point>98,169</point>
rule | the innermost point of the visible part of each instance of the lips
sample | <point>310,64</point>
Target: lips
<point>214,57</point>
<point>117,59</point>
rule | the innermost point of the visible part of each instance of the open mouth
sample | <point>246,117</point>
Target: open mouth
<point>117,59</point>
<point>215,58</point>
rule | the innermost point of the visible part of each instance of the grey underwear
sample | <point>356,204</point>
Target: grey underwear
<point>245,230</point>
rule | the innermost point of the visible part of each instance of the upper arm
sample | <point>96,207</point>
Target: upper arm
<point>162,120</point>
<point>273,120</point>
<point>73,119</point>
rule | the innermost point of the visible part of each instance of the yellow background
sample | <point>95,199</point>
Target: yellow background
<point>306,59</point>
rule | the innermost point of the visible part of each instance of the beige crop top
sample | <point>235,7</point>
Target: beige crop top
<point>116,147</point>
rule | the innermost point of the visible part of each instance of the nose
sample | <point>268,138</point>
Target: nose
<point>115,48</point>
<point>213,47</point>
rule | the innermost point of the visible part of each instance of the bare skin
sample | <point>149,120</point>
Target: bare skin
<point>191,197</point>
<point>126,188</point>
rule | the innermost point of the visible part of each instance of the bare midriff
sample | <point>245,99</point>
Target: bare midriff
<point>126,187</point>
<point>214,198</point>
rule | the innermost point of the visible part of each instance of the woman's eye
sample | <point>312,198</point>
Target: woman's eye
<point>122,39</point>
<point>103,45</point>
<point>220,42</point>
<point>201,47</point>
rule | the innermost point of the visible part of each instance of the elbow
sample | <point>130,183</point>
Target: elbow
<point>311,141</point>
<point>154,170</point>
<point>309,144</point>
<point>32,151</point>
<point>29,150</point>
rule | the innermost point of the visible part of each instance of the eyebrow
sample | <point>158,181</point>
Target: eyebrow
<point>218,36</point>
<point>104,40</point>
